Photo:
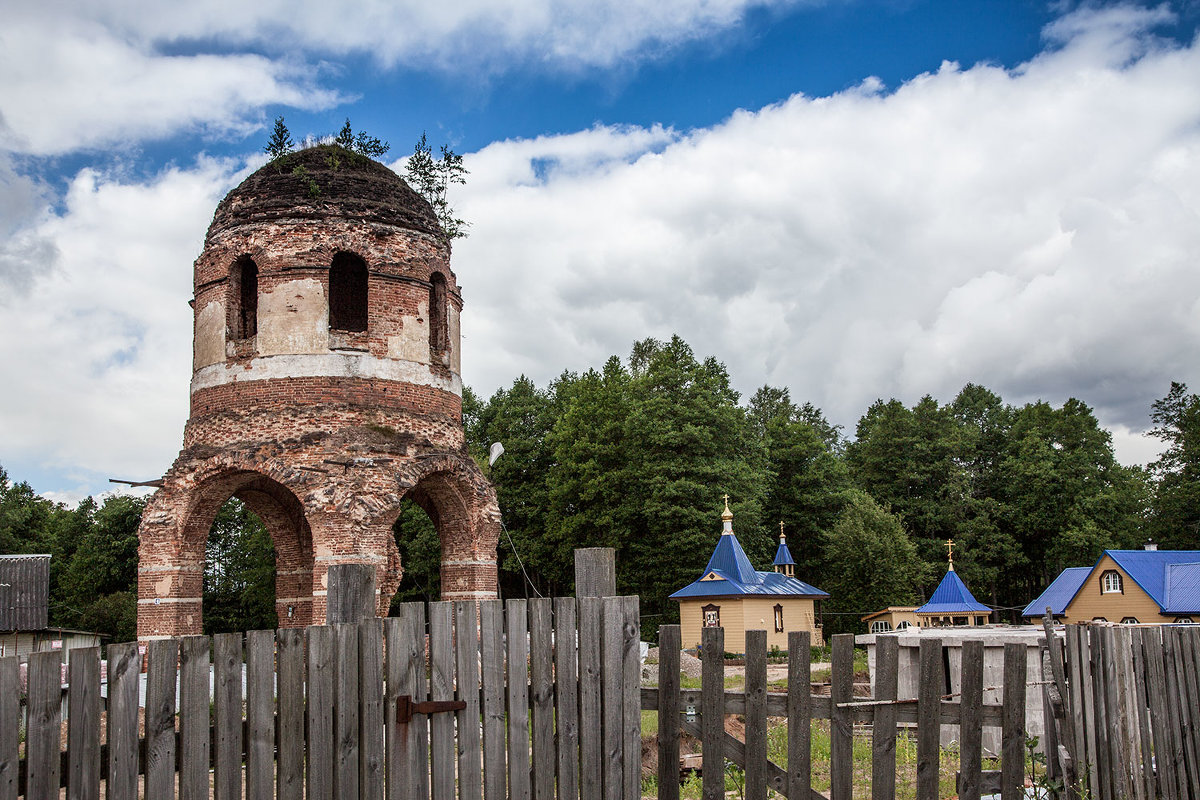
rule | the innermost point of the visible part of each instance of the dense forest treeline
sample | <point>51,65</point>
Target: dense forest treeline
<point>636,456</point>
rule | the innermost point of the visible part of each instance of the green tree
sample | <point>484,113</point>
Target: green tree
<point>432,178</point>
<point>869,564</point>
<point>280,143</point>
<point>420,556</point>
<point>239,572</point>
<point>99,582</point>
<point>1176,504</point>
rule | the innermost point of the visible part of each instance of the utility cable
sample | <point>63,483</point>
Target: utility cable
<point>519,561</point>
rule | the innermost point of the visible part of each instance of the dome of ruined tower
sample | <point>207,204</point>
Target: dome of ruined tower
<point>320,183</point>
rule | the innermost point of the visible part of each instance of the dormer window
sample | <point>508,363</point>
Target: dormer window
<point>348,293</point>
<point>1110,582</point>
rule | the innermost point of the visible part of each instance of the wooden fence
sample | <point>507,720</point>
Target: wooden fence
<point>1126,702</point>
<point>799,705</point>
<point>528,700</point>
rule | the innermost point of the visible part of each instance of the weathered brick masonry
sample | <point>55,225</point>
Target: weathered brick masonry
<point>325,390</point>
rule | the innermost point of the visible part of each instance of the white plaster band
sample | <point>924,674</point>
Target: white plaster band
<point>168,601</point>
<point>465,595</point>
<point>294,600</point>
<point>184,568</point>
<point>157,638</point>
<point>324,365</point>
<point>467,562</point>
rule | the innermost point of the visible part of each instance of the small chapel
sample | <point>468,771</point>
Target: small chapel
<point>952,603</point>
<point>731,594</point>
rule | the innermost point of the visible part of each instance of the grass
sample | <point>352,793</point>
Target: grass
<point>906,762</point>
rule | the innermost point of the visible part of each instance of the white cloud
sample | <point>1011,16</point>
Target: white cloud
<point>1035,230</point>
<point>70,84</point>
<point>96,352</point>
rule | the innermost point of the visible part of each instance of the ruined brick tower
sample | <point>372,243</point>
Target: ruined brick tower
<point>325,390</point>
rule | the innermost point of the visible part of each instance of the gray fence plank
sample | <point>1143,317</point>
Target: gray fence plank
<point>43,726</point>
<point>591,734</point>
<point>541,697</point>
<point>841,727</point>
<point>195,717</point>
<point>124,667</point>
<point>1140,684</point>
<point>1012,739</point>
<point>441,688</point>
<point>83,724</point>
<point>227,660</point>
<point>319,713</point>
<point>929,692</point>
<point>163,655</point>
<point>1103,787</point>
<point>260,715</point>
<point>566,696</point>
<point>470,744</point>
<point>517,613</point>
<point>712,712</point>
<point>371,757</point>
<point>10,726</point>
<point>630,686</point>
<point>1185,638</point>
<point>1075,702</point>
<point>669,646</point>
<point>1085,713</point>
<point>970,727</point>
<point>345,711</point>
<point>883,731</point>
<point>799,715</point>
<point>756,715</point>
<point>491,651</point>
<point>407,744</point>
<point>289,772</point>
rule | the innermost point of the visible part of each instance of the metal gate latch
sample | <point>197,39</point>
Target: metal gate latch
<point>405,707</point>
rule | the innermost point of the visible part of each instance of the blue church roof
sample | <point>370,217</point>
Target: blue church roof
<point>783,556</point>
<point>730,573</point>
<point>952,597</point>
<point>1059,593</point>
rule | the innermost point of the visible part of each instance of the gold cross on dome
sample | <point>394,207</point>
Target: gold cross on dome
<point>780,529</point>
<point>725,497</point>
<point>950,550</point>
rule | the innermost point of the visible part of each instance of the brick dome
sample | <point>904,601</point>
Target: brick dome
<point>322,182</point>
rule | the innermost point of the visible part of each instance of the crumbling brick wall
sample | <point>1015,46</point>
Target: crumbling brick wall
<point>321,432</point>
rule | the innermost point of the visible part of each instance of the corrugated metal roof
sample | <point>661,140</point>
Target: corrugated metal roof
<point>1148,568</point>
<point>730,573</point>
<point>24,592</point>
<point>952,597</point>
<point>1059,593</point>
<point>783,556</point>
<point>1183,589</point>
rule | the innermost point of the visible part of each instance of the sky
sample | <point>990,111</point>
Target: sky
<point>855,199</point>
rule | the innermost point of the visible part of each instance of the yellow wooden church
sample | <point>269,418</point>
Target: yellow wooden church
<point>731,594</point>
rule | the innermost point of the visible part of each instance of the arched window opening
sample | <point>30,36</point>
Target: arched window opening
<point>348,293</point>
<point>420,556</point>
<point>1129,620</point>
<point>243,299</point>
<point>239,573</point>
<point>778,618</point>
<point>438,336</point>
<point>880,626</point>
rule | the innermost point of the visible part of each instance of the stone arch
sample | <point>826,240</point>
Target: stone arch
<point>172,543</point>
<point>462,505</point>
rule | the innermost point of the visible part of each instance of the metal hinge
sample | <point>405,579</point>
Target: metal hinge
<point>405,707</point>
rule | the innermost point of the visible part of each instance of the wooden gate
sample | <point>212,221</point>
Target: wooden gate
<point>525,699</point>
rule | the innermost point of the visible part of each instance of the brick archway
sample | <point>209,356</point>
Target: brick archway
<point>171,552</point>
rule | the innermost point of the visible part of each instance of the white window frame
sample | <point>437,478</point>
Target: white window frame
<point>881,626</point>
<point>1129,621</point>
<point>1111,582</point>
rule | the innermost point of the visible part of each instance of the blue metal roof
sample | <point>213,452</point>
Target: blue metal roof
<point>1059,593</point>
<point>952,597</point>
<point>1183,589</point>
<point>1148,568</point>
<point>783,556</point>
<point>729,573</point>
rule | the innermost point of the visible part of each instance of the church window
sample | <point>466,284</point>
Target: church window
<point>1178,621</point>
<point>243,299</point>
<point>880,626</point>
<point>711,614</point>
<point>778,618</point>
<point>348,293</point>
<point>903,625</point>
<point>1110,582</point>
<point>438,335</point>
<point>1129,620</point>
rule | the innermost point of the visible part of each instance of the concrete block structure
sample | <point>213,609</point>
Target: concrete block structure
<point>325,390</point>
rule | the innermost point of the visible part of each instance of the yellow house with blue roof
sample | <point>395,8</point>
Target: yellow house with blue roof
<point>731,594</point>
